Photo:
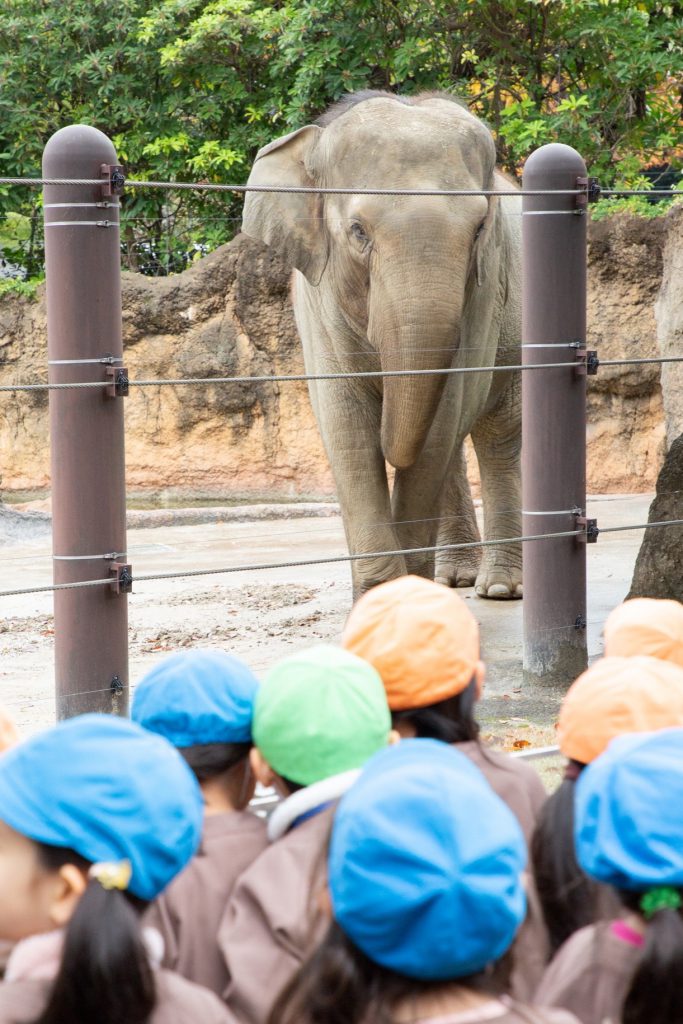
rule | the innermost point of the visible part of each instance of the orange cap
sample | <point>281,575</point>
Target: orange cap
<point>646,626</point>
<point>420,636</point>
<point>615,696</point>
<point>8,731</point>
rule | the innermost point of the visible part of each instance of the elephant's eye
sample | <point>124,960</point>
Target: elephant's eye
<point>358,232</point>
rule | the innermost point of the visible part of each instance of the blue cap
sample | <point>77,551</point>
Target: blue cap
<point>426,863</point>
<point>104,787</point>
<point>628,825</point>
<point>197,697</point>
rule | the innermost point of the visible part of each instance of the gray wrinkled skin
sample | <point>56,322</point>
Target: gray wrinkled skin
<point>396,283</point>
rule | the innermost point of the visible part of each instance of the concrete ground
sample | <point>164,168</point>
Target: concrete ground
<point>263,615</point>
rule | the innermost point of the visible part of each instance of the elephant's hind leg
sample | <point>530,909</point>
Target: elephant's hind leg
<point>497,439</point>
<point>458,525</point>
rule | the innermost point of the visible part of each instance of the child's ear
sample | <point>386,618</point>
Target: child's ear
<point>394,737</point>
<point>261,769</point>
<point>323,902</point>
<point>70,884</point>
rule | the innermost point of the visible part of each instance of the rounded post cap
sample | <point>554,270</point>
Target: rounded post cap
<point>551,163</point>
<point>77,151</point>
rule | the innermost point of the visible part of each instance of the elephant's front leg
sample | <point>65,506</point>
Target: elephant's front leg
<point>415,503</point>
<point>458,525</point>
<point>497,442</point>
<point>349,417</point>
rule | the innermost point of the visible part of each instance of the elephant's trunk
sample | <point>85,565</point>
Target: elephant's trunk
<point>422,339</point>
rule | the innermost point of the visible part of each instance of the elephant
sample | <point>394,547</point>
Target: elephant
<point>386,283</point>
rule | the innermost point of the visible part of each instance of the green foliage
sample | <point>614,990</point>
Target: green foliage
<point>15,286</point>
<point>190,89</point>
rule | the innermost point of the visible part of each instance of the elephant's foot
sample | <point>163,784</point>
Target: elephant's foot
<point>456,575</point>
<point>457,568</point>
<point>369,573</point>
<point>499,582</point>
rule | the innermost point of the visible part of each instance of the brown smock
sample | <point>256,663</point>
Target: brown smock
<point>520,787</point>
<point>189,912</point>
<point>272,921</point>
<point>516,783</point>
<point>178,1001</point>
<point>591,974</point>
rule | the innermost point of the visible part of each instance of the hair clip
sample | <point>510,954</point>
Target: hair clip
<point>112,874</point>
<point>662,897</point>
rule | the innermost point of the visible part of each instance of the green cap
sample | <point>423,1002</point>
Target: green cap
<point>319,713</point>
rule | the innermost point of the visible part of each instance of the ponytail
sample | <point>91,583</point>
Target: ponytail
<point>339,985</point>
<point>570,900</point>
<point>104,973</point>
<point>656,993</point>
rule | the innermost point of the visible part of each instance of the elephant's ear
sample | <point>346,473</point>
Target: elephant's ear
<point>290,222</point>
<point>486,240</point>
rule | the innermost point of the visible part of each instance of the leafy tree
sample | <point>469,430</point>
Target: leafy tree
<point>189,89</point>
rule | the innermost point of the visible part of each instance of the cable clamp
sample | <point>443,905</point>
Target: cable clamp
<point>113,179</point>
<point>122,577</point>
<point>590,192</point>
<point>116,686</point>
<point>119,382</point>
<point>587,362</point>
<point>589,530</point>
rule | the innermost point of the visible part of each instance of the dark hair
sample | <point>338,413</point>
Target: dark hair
<point>451,720</point>
<point>104,974</point>
<point>656,994</point>
<point>207,760</point>
<point>338,984</point>
<point>291,787</point>
<point>569,898</point>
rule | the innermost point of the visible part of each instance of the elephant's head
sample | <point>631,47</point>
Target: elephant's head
<point>398,268</point>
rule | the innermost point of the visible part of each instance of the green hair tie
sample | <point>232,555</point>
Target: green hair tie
<point>663,897</point>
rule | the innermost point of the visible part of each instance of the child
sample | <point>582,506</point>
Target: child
<point>96,817</point>
<point>202,702</point>
<point>647,627</point>
<point>319,715</point>
<point>629,834</point>
<point>424,642</point>
<point>614,696</point>
<point>426,894</point>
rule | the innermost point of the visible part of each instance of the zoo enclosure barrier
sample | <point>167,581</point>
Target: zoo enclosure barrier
<point>87,381</point>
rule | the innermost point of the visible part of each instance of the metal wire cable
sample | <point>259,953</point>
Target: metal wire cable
<point>302,377</point>
<point>335,558</point>
<point>640,526</point>
<point>295,564</point>
<point>280,378</point>
<point>647,359</point>
<point>296,189</point>
<point>205,186</point>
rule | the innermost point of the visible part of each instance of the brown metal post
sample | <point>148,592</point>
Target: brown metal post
<point>554,416</point>
<point>82,257</point>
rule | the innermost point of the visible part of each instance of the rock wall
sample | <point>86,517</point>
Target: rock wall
<point>230,315</point>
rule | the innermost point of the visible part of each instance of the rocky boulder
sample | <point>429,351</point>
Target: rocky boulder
<point>659,566</point>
